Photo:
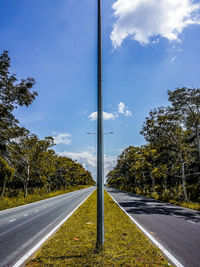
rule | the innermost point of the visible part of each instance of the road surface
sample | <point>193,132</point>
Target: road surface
<point>176,228</point>
<point>21,228</point>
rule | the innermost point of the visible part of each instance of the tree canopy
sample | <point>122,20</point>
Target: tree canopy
<point>168,166</point>
<point>26,162</point>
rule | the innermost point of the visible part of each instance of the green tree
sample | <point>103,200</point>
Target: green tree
<point>168,165</point>
<point>186,104</point>
<point>12,95</point>
<point>164,131</point>
<point>6,174</point>
<point>26,155</point>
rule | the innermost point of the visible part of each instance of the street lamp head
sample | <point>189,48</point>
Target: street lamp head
<point>91,133</point>
<point>108,133</point>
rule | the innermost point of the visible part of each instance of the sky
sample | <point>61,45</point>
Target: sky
<point>149,47</point>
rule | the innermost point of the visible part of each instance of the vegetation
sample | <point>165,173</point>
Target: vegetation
<point>36,195</point>
<point>27,163</point>
<point>74,243</point>
<point>168,166</point>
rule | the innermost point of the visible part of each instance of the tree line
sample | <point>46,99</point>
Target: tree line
<point>26,162</point>
<point>168,165</point>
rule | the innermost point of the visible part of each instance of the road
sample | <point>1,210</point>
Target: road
<point>21,228</point>
<point>176,228</point>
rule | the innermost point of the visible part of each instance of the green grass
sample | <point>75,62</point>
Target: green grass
<point>75,241</point>
<point>189,205</point>
<point>10,202</point>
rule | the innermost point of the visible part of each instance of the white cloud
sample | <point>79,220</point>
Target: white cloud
<point>172,59</point>
<point>128,113</point>
<point>106,116</point>
<point>143,19</point>
<point>89,161</point>
<point>109,164</point>
<point>93,116</point>
<point>62,138</point>
<point>121,108</point>
<point>87,158</point>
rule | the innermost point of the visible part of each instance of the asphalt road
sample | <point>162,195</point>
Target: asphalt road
<point>23,227</point>
<point>176,228</point>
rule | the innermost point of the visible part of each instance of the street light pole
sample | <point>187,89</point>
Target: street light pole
<point>100,153</point>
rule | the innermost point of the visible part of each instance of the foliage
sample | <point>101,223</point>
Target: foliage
<point>26,162</point>
<point>12,95</point>
<point>168,166</point>
<point>37,166</point>
<point>74,243</point>
<point>6,174</point>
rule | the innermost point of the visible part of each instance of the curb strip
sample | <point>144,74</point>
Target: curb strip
<point>163,249</point>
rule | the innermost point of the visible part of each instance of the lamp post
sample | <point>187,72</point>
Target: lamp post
<point>100,154</point>
<point>103,133</point>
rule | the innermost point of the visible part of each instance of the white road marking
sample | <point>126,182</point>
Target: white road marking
<point>163,249</point>
<point>178,216</point>
<point>191,221</point>
<point>25,214</point>
<point>12,220</point>
<point>36,210</point>
<point>31,251</point>
<point>43,200</point>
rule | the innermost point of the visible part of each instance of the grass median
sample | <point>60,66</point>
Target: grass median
<point>74,243</point>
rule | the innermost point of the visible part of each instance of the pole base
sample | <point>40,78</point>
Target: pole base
<point>99,248</point>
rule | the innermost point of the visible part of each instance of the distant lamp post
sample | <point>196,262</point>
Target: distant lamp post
<point>103,133</point>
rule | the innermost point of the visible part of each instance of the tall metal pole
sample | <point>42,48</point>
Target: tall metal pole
<point>100,153</point>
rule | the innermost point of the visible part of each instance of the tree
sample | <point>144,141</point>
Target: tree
<point>23,156</point>
<point>12,95</point>
<point>6,174</point>
<point>186,103</point>
<point>28,158</point>
<point>164,131</point>
<point>168,165</point>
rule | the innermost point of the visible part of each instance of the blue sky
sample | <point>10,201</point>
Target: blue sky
<point>148,48</point>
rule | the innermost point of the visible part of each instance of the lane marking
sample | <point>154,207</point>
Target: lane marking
<point>191,221</point>
<point>43,200</point>
<point>20,224</point>
<point>163,249</point>
<point>31,251</point>
<point>25,215</point>
<point>178,216</point>
<point>36,210</point>
<point>12,220</point>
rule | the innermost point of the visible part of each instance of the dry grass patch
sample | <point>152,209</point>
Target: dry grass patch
<point>40,194</point>
<point>189,205</point>
<point>74,243</point>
